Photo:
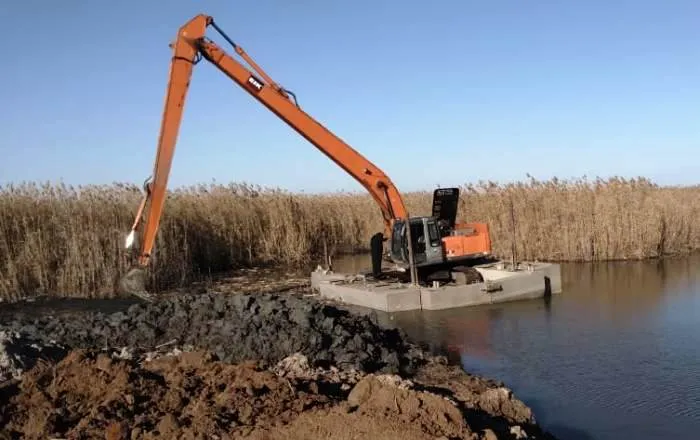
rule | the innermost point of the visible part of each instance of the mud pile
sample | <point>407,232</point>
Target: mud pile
<point>19,353</point>
<point>236,328</point>
<point>165,398</point>
<point>260,366</point>
<point>193,395</point>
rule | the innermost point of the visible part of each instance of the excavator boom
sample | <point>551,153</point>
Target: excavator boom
<point>190,46</point>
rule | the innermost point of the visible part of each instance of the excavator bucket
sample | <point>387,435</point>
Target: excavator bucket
<point>134,283</point>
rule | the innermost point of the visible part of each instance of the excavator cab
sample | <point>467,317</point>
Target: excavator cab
<point>438,241</point>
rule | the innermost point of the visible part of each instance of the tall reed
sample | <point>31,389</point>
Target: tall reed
<point>68,241</point>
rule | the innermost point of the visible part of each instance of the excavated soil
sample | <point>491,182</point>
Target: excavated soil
<point>240,366</point>
<point>189,395</point>
<point>236,328</point>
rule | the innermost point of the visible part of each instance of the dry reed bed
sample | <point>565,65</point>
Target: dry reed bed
<point>62,240</point>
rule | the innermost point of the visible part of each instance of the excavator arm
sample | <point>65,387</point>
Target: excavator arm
<point>190,46</point>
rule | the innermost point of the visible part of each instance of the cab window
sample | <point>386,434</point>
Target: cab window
<point>433,234</point>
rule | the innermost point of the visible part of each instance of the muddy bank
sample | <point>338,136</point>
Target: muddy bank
<point>255,366</point>
<point>236,328</point>
<point>194,395</point>
<point>19,353</point>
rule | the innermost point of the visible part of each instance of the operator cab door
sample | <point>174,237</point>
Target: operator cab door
<point>419,241</point>
<point>397,243</point>
<point>434,252</point>
<point>425,242</point>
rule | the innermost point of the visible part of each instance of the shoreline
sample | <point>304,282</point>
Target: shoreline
<point>218,330</point>
<point>278,279</point>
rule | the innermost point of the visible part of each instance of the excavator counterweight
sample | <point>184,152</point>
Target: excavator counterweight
<point>190,47</point>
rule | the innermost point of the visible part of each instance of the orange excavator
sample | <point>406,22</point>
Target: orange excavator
<point>438,242</point>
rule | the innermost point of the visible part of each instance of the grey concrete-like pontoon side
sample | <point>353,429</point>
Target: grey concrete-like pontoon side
<point>530,280</point>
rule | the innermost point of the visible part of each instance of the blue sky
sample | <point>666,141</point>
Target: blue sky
<point>441,92</point>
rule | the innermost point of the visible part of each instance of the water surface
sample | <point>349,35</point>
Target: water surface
<point>616,355</point>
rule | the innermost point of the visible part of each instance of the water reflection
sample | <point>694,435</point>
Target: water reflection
<point>617,355</point>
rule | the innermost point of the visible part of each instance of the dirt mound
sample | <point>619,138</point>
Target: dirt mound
<point>488,404</point>
<point>190,395</point>
<point>435,415</point>
<point>193,395</point>
<point>380,407</point>
<point>239,327</point>
<point>19,353</point>
<point>225,366</point>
